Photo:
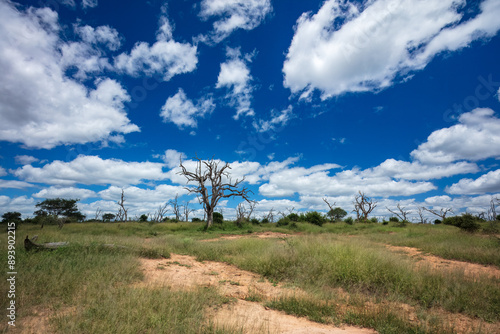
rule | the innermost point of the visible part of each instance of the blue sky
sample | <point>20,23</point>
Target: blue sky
<point>307,100</point>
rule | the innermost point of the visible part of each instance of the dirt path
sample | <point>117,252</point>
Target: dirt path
<point>262,235</point>
<point>184,272</point>
<point>470,269</point>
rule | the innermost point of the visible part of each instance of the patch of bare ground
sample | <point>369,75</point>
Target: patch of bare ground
<point>261,235</point>
<point>184,272</point>
<point>38,321</point>
<point>469,269</point>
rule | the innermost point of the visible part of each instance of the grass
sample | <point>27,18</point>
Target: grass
<point>101,264</point>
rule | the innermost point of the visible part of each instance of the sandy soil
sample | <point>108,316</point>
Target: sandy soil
<point>263,235</point>
<point>184,272</point>
<point>469,269</point>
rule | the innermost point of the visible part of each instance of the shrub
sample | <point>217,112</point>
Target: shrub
<point>293,217</point>
<point>218,218</point>
<point>264,221</point>
<point>143,218</point>
<point>314,217</point>
<point>255,221</point>
<point>374,220</point>
<point>394,219</point>
<point>466,222</point>
<point>336,214</point>
<point>283,221</point>
<point>437,222</point>
<point>196,220</point>
<point>385,222</point>
<point>349,220</point>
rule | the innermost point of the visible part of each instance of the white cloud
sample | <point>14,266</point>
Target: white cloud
<point>3,172</point>
<point>89,3</point>
<point>181,111</point>
<point>234,14</point>
<point>476,137</point>
<point>278,120</point>
<point>92,170</point>
<point>316,181</point>
<point>14,184</point>
<point>102,35</point>
<point>21,204</point>
<point>41,107</point>
<point>486,183</point>
<point>353,47</point>
<point>24,160</point>
<point>418,171</point>
<point>172,158</point>
<point>165,58</point>
<point>235,76</point>
<point>138,196</point>
<point>66,192</point>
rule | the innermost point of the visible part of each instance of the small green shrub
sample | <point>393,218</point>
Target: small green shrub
<point>293,217</point>
<point>218,218</point>
<point>196,220</point>
<point>465,222</point>
<point>349,221</point>
<point>264,221</point>
<point>316,218</point>
<point>374,220</point>
<point>283,221</point>
<point>255,221</point>
<point>437,222</point>
<point>394,219</point>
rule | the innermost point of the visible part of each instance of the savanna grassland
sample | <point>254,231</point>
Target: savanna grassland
<point>358,275</point>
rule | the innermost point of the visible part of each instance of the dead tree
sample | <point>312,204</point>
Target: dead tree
<point>492,211</point>
<point>98,213</point>
<point>241,214</point>
<point>122,211</point>
<point>187,210</point>
<point>402,215</point>
<point>270,216</point>
<point>441,214</point>
<point>363,206</point>
<point>160,213</point>
<point>423,220</point>
<point>331,206</point>
<point>252,205</point>
<point>213,183</point>
<point>176,208</point>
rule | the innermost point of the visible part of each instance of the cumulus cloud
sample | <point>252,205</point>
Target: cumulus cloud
<point>164,59</point>
<point>92,170</point>
<point>172,158</point>
<point>14,184</point>
<point>21,204</point>
<point>357,47</point>
<point>102,35</point>
<point>138,196</point>
<point>486,183</point>
<point>278,120</point>
<point>417,171</point>
<point>233,15</point>
<point>318,181</point>
<point>476,137</point>
<point>235,76</point>
<point>41,107</point>
<point>181,111</point>
<point>66,192</point>
<point>89,3</point>
<point>24,160</point>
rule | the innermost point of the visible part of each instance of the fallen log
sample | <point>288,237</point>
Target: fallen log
<point>30,245</point>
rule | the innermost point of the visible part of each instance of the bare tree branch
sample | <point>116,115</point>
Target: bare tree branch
<point>363,206</point>
<point>403,215</point>
<point>441,214</point>
<point>213,183</point>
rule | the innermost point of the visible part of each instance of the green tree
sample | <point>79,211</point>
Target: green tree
<point>107,217</point>
<point>12,217</point>
<point>58,208</point>
<point>336,214</point>
<point>143,218</point>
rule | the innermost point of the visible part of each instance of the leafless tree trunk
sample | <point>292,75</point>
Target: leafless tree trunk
<point>441,214</point>
<point>187,211</point>
<point>176,208</point>
<point>423,220</point>
<point>241,213</point>
<point>403,215</point>
<point>252,205</point>
<point>331,206</point>
<point>160,213</point>
<point>210,174</point>
<point>122,212</point>
<point>492,211</point>
<point>98,213</point>
<point>270,216</point>
<point>363,205</point>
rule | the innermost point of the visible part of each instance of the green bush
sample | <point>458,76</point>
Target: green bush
<point>218,218</point>
<point>293,217</point>
<point>196,220</point>
<point>374,220</point>
<point>316,218</point>
<point>349,220</point>
<point>437,222</point>
<point>255,221</point>
<point>264,221</point>
<point>385,222</point>
<point>283,221</point>
<point>465,222</point>
<point>394,219</point>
